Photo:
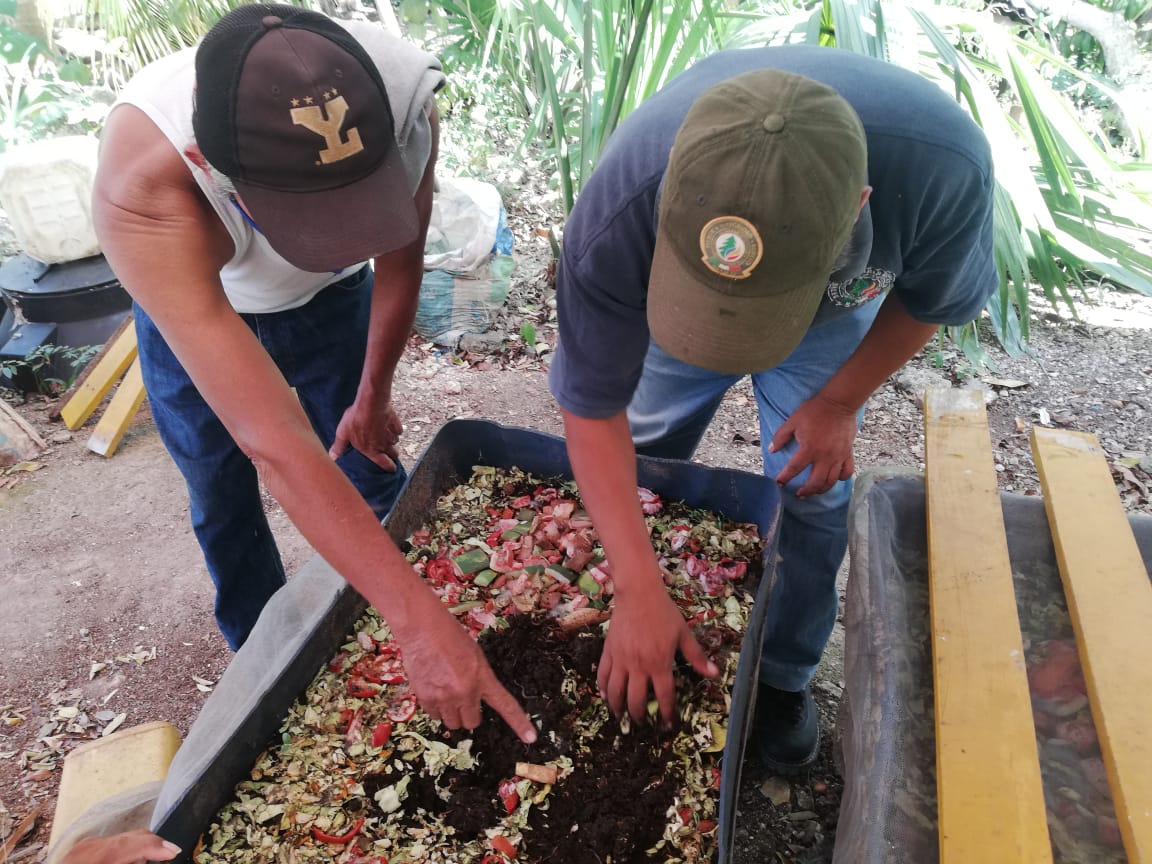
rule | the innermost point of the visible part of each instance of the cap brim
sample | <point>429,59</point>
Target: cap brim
<point>721,332</point>
<point>336,228</point>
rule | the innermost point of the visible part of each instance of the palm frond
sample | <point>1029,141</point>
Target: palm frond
<point>156,28</point>
<point>1068,205</point>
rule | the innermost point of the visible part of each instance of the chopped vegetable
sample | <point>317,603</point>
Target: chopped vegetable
<point>381,732</point>
<point>403,709</point>
<point>509,795</point>
<point>537,773</point>
<point>357,744</point>
<point>339,839</point>
<point>504,846</point>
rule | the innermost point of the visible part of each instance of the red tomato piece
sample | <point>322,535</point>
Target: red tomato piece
<point>380,669</point>
<point>361,689</point>
<point>338,839</point>
<point>509,795</point>
<point>381,732</point>
<point>402,709</point>
<point>504,846</point>
<point>354,725</point>
<point>439,570</point>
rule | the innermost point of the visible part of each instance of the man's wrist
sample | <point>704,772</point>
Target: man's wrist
<point>846,401</point>
<point>376,387</point>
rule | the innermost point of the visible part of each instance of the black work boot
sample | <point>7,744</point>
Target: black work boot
<point>785,730</point>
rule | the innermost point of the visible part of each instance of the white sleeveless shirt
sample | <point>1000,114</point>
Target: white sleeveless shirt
<point>257,279</point>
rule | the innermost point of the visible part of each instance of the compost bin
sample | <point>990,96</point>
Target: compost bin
<point>305,622</point>
<point>886,732</point>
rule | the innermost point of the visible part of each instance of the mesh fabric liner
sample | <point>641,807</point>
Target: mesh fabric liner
<point>885,732</point>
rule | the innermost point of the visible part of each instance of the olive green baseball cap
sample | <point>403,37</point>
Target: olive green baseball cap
<point>760,195</point>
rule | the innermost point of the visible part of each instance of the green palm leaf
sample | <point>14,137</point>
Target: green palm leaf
<point>1066,204</point>
<point>156,28</point>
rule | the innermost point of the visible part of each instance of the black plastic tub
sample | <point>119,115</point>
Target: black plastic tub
<point>306,621</point>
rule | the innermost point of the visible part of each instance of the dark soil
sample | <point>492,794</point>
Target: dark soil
<point>615,802</point>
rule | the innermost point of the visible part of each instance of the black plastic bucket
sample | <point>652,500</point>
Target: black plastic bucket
<point>226,740</point>
<point>83,298</point>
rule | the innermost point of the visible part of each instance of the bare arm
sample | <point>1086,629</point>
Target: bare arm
<point>167,246</point>
<point>825,425</point>
<point>371,424</point>
<point>647,628</point>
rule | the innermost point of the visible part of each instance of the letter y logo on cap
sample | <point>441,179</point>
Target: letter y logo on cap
<point>328,124</point>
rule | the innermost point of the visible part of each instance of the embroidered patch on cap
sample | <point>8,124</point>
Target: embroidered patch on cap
<point>731,247</point>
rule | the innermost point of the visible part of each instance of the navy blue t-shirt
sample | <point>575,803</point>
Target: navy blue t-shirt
<point>929,166</point>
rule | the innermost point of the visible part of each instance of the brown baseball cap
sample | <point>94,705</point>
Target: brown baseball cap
<point>761,194</point>
<point>293,110</point>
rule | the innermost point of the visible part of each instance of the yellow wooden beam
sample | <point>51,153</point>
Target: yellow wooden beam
<point>100,380</point>
<point>991,803</point>
<point>1110,598</point>
<point>105,438</point>
<point>108,766</point>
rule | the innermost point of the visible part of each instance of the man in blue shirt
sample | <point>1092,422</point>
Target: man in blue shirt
<point>805,216</point>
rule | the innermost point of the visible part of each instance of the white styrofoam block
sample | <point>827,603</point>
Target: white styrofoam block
<point>46,190</point>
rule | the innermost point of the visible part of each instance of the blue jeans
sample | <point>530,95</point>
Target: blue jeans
<point>319,348</point>
<point>670,410</point>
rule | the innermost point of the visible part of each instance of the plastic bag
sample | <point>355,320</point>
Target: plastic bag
<point>467,259</point>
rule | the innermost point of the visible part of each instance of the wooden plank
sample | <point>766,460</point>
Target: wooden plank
<point>991,803</point>
<point>100,380</point>
<point>1110,599</point>
<point>66,396</point>
<point>108,766</point>
<point>125,403</point>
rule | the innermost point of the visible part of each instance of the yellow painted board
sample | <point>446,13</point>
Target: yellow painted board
<point>125,403</point>
<point>108,766</point>
<point>1110,598</point>
<point>991,804</point>
<point>101,380</point>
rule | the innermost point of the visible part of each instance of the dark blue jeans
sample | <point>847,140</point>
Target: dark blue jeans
<point>319,348</point>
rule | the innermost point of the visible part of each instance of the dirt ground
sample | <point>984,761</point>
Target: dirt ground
<point>106,618</point>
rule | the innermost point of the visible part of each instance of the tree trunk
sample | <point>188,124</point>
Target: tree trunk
<point>34,17</point>
<point>1124,62</point>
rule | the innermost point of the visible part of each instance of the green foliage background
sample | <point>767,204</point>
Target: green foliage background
<point>1074,196</point>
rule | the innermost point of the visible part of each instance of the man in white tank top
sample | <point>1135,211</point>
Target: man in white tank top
<point>241,188</point>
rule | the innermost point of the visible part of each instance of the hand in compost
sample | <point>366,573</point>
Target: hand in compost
<point>640,650</point>
<point>450,677</point>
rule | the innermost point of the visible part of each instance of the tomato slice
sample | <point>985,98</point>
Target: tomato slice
<point>362,689</point>
<point>440,570</point>
<point>380,669</point>
<point>402,709</point>
<point>381,732</point>
<point>504,846</point>
<point>352,735</point>
<point>509,795</point>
